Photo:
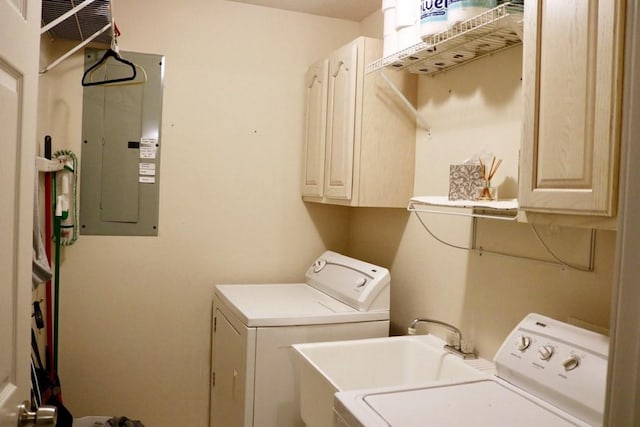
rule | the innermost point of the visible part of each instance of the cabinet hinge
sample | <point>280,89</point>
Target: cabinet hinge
<point>215,324</point>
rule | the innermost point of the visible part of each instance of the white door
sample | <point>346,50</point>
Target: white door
<point>19,52</point>
<point>231,404</point>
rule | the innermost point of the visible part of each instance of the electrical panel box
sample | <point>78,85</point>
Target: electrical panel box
<point>120,176</point>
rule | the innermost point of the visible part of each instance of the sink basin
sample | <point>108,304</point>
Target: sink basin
<point>329,367</point>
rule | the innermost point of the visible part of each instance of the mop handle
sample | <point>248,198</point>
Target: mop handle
<point>57,236</point>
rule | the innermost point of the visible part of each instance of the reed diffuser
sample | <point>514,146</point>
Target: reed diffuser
<point>487,192</point>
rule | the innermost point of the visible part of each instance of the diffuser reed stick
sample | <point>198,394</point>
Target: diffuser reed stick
<point>487,175</point>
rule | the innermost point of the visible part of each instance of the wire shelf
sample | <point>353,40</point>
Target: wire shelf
<point>495,30</point>
<point>80,25</point>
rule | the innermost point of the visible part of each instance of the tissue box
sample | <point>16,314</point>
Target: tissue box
<point>464,181</point>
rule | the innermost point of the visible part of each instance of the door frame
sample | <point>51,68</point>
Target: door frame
<point>623,391</point>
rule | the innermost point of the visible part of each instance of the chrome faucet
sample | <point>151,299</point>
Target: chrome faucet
<point>455,347</point>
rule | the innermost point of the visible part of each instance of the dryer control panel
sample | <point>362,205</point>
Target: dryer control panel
<point>359,284</point>
<point>559,363</point>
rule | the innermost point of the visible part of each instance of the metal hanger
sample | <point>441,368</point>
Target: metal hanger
<point>115,82</point>
<point>109,54</point>
<point>113,52</point>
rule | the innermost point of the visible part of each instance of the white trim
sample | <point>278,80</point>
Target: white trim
<point>623,392</point>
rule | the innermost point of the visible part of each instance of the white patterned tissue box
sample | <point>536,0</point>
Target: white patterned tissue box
<point>465,181</point>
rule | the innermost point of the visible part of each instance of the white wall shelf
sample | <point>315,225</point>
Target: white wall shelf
<point>498,209</point>
<point>495,30</point>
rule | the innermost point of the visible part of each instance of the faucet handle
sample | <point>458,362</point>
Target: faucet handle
<point>467,346</point>
<point>453,340</point>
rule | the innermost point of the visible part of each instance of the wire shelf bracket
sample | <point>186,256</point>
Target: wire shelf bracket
<point>500,210</point>
<point>421,120</point>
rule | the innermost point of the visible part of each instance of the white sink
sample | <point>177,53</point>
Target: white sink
<point>329,367</point>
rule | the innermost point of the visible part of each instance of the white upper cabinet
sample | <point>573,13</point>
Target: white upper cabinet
<point>572,90</point>
<point>367,134</point>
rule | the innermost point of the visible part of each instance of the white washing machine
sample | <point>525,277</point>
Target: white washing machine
<point>254,377</point>
<point>548,373</point>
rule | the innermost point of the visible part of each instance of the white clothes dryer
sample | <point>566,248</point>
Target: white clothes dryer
<point>254,376</point>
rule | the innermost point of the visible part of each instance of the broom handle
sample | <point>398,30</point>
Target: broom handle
<point>49,234</point>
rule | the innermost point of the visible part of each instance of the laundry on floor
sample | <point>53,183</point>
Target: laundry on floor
<point>118,422</point>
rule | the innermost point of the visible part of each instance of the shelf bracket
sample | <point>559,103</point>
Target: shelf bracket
<point>96,17</point>
<point>480,250</point>
<point>516,23</point>
<point>75,49</point>
<point>405,101</point>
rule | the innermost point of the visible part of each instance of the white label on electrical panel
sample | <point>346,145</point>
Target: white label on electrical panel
<point>148,169</point>
<point>147,179</point>
<point>148,148</point>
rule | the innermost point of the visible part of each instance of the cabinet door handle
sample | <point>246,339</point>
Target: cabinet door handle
<point>340,65</point>
<point>233,384</point>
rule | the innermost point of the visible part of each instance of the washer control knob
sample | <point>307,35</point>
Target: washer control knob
<point>523,342</point>
<point>361,282</point>
<point>571,363</point>
<point>319,265</point>
<point>545,352</point>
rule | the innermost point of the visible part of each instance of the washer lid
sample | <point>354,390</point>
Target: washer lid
<point>289,304</point>
<point>480,403</point>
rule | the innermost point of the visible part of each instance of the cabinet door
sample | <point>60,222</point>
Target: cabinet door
<point>572,84</point>
<point>315,129</point>
<point>228,363</point>
<point>341,122</point>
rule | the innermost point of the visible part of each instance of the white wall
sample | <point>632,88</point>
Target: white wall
<point>476,107</point>
<point>135,311</point>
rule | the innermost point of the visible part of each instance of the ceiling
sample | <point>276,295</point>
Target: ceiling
<point>352,10</point>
